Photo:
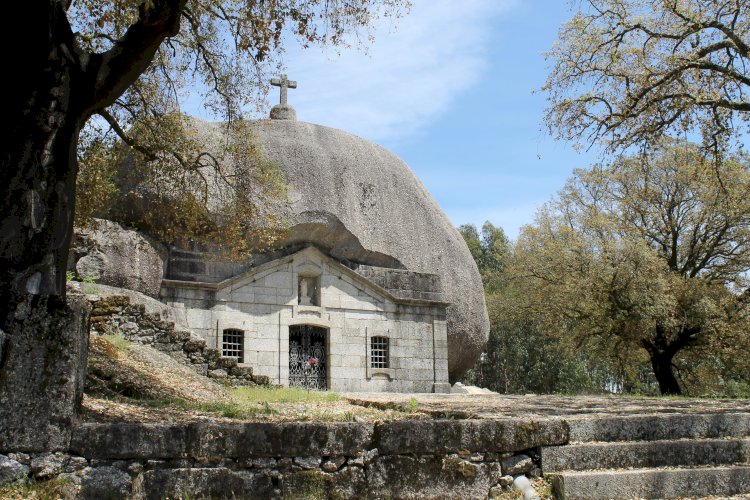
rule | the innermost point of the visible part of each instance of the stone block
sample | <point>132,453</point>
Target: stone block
<point>11,470</point>
<point>659,427</point>
<point>517,464</point>
<point>124,441</point>
<point>105,482</point>
<point>48,465</point>
<point>450,436</point>
<point>333,464</point>
<point>42,375</point>
<point>714,482</point>
<point>219,482</point>
<point>640,454</point>
<point>267,359</point>
<point>348,483</point>
<point>403,476</point>
<point>307,462</point>
<point>279,279</point>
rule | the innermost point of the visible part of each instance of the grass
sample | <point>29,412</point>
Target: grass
<point>41,490</point>
<point>117,340</point>
<point>247,402</point>
<point>249,395</point>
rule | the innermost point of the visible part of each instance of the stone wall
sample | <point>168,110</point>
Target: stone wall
<point>405,284</point>
<point>401,459</point>
<point>116,314</point>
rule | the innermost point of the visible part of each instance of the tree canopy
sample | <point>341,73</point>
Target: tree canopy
<point>222,57</point>
<point>647,254</point>
<point>122,69</point>
<point>626,72</point>
<point>490,252</point>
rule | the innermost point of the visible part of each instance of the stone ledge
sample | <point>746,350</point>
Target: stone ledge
<point>445,436</point>
<point>241,440</point>
<point>291,439</point>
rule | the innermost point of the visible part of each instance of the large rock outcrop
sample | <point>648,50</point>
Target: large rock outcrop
<point>363,204</point>
<point>112,255</point>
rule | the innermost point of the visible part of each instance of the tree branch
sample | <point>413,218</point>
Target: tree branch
<point>112,72</point>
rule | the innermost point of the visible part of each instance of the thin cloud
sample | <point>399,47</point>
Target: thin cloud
<point>410,74</point>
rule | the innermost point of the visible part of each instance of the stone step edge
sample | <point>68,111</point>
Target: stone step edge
<point>636,454</point>
<point>641,441</point>
<point>651,426</point>
<point>627,470</point>
<point>654,482</point>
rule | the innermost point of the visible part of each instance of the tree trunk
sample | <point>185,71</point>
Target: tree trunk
<point>52,87</point>
<point>39,164</point>
<point>661,362</point>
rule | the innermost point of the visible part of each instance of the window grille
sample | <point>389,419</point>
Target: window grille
<point>233,344</point>
<point>379,352</point>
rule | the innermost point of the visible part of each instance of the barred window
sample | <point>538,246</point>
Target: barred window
<point>233,344</point>
<point>379,352</point>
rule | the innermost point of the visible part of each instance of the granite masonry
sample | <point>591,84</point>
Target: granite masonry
<point>406,459</point>
<point>364,328</point>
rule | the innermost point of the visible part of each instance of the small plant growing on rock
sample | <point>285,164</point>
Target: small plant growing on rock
<point>413,404</point>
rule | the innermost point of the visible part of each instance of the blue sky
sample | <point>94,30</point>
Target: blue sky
<point>450,90</point>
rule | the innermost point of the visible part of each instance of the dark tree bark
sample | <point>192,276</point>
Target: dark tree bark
<point>52,88</point>
<point>55,87</point>
<point>39,160</point>
<point>662,349</point>
<point>661,362</point>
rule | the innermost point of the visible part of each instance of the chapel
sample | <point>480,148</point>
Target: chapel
<point>372,288</point>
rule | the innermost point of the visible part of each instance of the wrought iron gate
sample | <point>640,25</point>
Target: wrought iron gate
<point>307,357</point>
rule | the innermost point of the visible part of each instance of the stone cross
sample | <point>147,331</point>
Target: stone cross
<point>284,84</point>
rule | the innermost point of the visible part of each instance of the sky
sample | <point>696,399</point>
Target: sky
<point>450,88</point>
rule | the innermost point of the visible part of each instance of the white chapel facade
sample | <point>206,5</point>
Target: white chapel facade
<point>307,320</point>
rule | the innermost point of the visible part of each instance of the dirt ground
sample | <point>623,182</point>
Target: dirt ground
<point>494,405</point>
<point>393,406</point>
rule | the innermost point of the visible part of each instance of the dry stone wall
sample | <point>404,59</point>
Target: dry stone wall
<point>115,314</point>
<point>406,459</point>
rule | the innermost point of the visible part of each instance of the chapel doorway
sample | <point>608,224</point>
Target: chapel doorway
<point>307,343</point>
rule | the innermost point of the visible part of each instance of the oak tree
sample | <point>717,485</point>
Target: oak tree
<point>119,63</point>
<point>645,257</point>
<point>627,72</point>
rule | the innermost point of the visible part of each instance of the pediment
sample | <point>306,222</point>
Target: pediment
<point>310,261</point>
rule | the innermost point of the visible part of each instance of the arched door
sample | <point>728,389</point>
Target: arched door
<point>307,357</point>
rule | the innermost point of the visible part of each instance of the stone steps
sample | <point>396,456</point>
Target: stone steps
<point>118,314</point>
<point>636,454</point>
<point>652,483</point>
<point>658,427</point>
<point>652,456</point>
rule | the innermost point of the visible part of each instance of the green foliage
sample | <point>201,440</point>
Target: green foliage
<point>184,187</point>
<point>490,252</point>
<point>629,72</point>
<point>72,276</point>
<point>636,266</point>
<point>141,159</point>
<point>117,340</point>
<point>646,257</point>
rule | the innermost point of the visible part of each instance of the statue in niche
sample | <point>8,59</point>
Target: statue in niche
<point>308,291</point>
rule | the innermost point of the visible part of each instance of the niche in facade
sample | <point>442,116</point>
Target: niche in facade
<point>309,290</point>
